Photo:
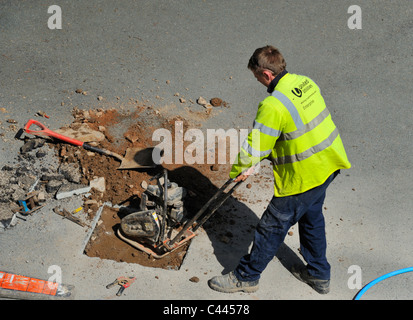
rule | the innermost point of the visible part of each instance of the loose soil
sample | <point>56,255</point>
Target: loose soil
<point>123,187</point>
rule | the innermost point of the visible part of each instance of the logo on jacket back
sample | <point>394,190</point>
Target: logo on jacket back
<point>302,88</point>
<point>297,92</point>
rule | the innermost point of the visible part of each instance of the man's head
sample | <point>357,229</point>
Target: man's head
<point>266,63</point>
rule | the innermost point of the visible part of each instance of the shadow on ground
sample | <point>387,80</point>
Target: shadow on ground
<point>231,228</point>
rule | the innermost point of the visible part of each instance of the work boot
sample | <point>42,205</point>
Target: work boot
<point>229,283</point>
<point>319,285</point>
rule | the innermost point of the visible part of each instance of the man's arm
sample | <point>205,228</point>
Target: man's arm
<point>260,141</point>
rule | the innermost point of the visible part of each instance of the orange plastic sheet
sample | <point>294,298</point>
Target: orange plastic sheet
<point>22,283</point>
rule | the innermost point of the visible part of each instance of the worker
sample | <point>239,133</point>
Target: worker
<point>294,129</point>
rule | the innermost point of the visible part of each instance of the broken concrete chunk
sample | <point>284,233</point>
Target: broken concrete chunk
<point>22,171</point>
<point>53,185</point>
<point>70,171</point>
<point>27,147</point>
<point>83,133</point>
<point>91,202</point>
<point>32,144</point>
<point>98,184</point>
<point>52,176</point>
<point>7,218</point>
<point>41,154</point>
<point>41,197</point>
<point>132,136</point>
<point>71,189</point>
<point>27,181</point>
<point>202,101</point>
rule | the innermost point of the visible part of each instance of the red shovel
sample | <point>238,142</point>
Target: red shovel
<point>134,157</point>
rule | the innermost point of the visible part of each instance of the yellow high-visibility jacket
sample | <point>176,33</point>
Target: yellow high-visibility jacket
<point>294,129</point>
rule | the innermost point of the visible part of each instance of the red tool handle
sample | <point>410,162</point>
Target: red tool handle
<point>47,132</point>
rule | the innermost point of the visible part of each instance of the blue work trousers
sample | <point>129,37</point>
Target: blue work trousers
<point>280,215</point>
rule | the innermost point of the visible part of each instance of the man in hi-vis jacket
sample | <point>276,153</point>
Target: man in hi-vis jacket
<point>294,129</point>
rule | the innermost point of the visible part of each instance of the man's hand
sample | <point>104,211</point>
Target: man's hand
<point>245,175</point>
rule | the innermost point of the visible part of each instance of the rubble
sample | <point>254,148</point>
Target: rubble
<point>71,172</point>
<point>132,136</point>
<point>216,102</point>
<point>98,184</point>
<point>32,144</point>
<point>42,114</point>
<point>201,101</point>
<point>70,189</point>
<point>82,133</point>
<point>16,181</point>
<point>62,170</point>
<point>53,185</point>
<point>38,168</point>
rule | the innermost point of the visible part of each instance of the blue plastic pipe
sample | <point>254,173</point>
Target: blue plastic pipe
<point>385,276</point>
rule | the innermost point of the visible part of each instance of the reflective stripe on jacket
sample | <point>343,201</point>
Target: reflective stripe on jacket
<point>294,129</point>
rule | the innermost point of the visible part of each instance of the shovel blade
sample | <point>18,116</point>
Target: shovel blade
<point>140,158</point>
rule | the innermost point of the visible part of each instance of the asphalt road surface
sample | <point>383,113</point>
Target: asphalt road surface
<point>152,50</point>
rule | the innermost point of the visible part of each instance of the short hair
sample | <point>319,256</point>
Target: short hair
<point>267,57</point>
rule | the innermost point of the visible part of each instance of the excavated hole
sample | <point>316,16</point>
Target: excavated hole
<point>123,187</point>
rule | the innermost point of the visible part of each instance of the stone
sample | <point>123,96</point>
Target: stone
<point>132,136</point>
<point>41,154</point>
<point>32,144</point>
<point>41,196</point>
<point>53,185</point>
<point>70,189</point>
<point>216,102</point>
<point>70,171</point>
<point>22,171</point>
<point>214,167</point>
<point>98,184</point>
<point>202,101</point>
<point>224,239</point>
<point>83,133</point>
<point>52,176</point>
